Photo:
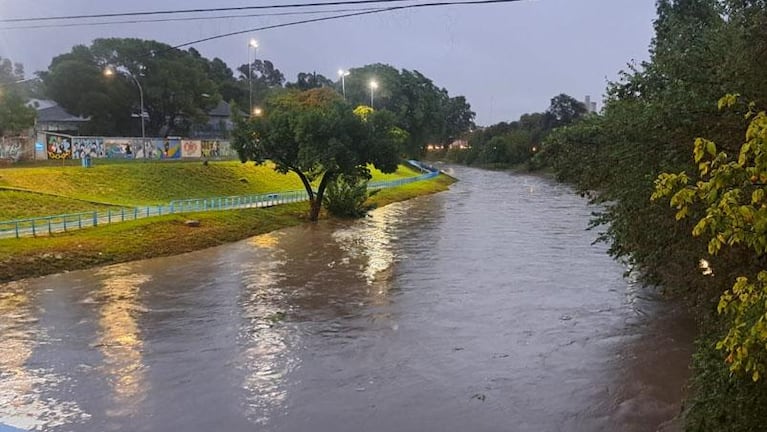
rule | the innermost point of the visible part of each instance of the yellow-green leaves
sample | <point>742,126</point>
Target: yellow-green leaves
<point>731,196</point>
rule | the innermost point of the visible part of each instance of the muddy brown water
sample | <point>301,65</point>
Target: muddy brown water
<point>485,308</point>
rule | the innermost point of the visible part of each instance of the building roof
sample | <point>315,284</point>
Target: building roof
<point>221,110</point>
<point>49,111</point>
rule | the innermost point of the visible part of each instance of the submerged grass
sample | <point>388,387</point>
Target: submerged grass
<point>166,235</point>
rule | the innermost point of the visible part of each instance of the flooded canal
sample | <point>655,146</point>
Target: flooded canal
<point>485,308</point>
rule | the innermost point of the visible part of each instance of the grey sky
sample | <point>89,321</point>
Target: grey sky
<point>506,59</point>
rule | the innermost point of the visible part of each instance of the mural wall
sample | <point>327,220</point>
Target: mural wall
<point>191,148</point>
<point>13,148</point>
<point>92,147</point>
<point>59,146</point>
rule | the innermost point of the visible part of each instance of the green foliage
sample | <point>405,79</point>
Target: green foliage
<point>426,112</point>
<point>346,197</point>
<point>732,193</point>
<point>15,116</point>
<point>316,135</point>
<point>177,89</point>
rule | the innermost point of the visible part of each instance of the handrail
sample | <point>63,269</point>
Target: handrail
<point>47,225</point>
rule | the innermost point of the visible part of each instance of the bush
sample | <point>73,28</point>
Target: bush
<point>346,197</point>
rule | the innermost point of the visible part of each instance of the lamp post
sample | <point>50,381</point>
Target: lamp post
<point>343,74</point>
<point>252,44</point>
<point>373,87</point>
<point>109,72</point>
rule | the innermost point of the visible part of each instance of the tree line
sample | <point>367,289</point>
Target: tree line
<point>687,128</point>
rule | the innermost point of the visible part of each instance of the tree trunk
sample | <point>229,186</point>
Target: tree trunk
<point>316,203</point>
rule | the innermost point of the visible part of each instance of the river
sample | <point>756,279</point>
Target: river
<point>485,308</point>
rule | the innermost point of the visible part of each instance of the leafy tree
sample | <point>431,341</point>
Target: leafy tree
<point>425,111</point>
<point>564,110</point>
<point>306,81</point>
<point>316,135</point>
<point>177,90</point>
<point>734,196</point>
<point>15,116</point>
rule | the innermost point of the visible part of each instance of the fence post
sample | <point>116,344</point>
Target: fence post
<point>34,232</point>
<point>109,216</point>
<point>65,224</point>
<point>135,213</point>
<point>49,226</point>
<point>17,229</point>
<point>80,220</point>
<point>95,218</point>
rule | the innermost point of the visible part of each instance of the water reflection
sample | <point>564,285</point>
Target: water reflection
<point>120,336</point>
<point>22,403</point>
<point>265,354</point>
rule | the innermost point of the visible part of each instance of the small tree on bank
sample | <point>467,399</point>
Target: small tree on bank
<point>316,135</point>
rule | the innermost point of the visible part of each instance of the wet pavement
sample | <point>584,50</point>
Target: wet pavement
<point>485,308</point>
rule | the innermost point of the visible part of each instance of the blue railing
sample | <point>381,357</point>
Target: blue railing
<point>47,225</point>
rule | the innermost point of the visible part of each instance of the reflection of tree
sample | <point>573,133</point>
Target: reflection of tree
<point>120,340</point>
<point>21,401</point>
<point>266,356</point>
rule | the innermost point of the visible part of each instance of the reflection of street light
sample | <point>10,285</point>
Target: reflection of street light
<point>257,112</point>
<point>252,44</point>
<point>110,72</point>
<point>373,87</point>
<point>342,73</point>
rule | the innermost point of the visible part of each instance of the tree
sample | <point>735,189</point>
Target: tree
<point>734,196</point>
<point>315,135</point>
<point>564,110</point>
<point>15,116</point>
<point>177,90</point>
<point>306,81</point>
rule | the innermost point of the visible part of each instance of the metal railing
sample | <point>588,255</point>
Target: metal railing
<point>47,225</point>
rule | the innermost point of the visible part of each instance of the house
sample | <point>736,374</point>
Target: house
<point>53,118</point>
<point>219,123</point>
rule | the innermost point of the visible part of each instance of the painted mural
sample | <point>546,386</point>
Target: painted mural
<point>59,146</point>
<point>191,149</point>
<point>92,147</point>
<point>65,147</point>
<point>11,148</point>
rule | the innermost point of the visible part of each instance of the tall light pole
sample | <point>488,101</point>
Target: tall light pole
<point>343,74</point>
<point>109,72</point>
<point>373,87</point>
<point>252,44</point>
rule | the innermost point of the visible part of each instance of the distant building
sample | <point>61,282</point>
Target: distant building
<point>219,123</point>
<point>591,107</point>
<point>53,118</point>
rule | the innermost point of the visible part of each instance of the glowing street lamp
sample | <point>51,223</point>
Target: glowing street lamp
<point>342,73</point>
<point>251,44</point>
<point>258,112</point>
<point>110,72</point>
<point>373,87</point>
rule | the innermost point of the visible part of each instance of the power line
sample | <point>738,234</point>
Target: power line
<point>335,17</point>
<point>162,20</point>
<point>200,10</point>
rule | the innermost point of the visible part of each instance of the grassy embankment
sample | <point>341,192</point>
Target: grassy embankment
<point>39,191</point>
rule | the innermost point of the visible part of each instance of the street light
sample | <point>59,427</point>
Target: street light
<point>251,44</point>
<point>257,111</point>
<point>342,73</point>
<point>110,72</point>
<point>373,87</point>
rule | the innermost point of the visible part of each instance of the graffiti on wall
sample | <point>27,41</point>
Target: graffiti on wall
<point>191,149</point>
<point>171,148</point>
<point>92,147</point>
<point>59,147</point>
<point>119,148</point>
<point>11,148</point>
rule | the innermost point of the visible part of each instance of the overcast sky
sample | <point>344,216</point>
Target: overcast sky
<point>507,59</point>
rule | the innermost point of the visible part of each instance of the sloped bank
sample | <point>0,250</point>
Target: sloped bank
<point>165,235</point>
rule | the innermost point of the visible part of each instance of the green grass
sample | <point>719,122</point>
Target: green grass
<point>141,183</point>
<point>163,236</point>
<point>17,205</point>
